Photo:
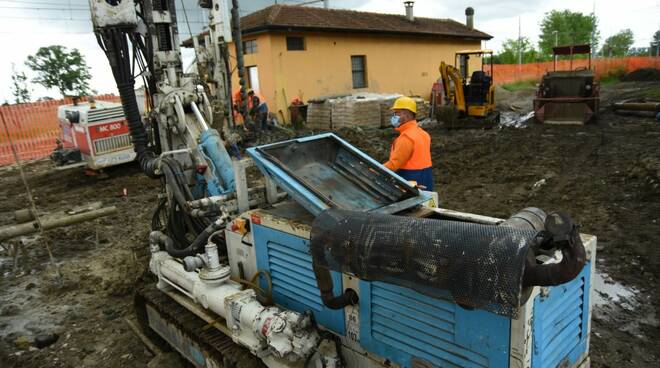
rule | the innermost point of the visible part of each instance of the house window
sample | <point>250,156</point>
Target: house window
<point>359,69</point>
<point>295,43</point>
<point>250,47</point>
<point>253,78</point>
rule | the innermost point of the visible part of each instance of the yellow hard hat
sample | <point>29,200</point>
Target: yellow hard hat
<point>406,103</point>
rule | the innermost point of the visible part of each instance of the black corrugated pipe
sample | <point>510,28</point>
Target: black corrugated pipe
<point>558,232</point>
<point>144,155</point>
<point>482,266</point>
<point>562,234</point>
<point>122,57</point>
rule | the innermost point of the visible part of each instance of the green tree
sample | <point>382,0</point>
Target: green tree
<point>655,44</point>
<point>57,67</point>
<point>618,44</point>
<point>639,51</point>
<point>511,48</point>
<point>19,88</point>
<point>567,28</point>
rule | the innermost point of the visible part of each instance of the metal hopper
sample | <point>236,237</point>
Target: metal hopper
<point>324,171</point>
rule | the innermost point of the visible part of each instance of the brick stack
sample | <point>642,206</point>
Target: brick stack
<point>370,110</point>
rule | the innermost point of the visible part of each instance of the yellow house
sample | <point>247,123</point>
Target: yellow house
<point>307,52</point>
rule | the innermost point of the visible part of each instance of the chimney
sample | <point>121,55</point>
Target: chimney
<point>326,4</point>
<point>469,17</point>
<point>409,10</point>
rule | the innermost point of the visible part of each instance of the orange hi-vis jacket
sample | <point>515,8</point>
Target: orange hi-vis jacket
<point>238,100</point>
<point>411,150</point>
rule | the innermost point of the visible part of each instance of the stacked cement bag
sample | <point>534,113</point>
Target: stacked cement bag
<point>319,114</point>
<point>367,110</point>
<point>423,108</point>
<point>355,111</point>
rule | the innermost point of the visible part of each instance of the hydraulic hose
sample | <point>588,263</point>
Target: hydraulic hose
<point>196,246</point>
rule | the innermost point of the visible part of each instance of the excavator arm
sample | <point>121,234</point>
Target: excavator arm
<point>453,85</point>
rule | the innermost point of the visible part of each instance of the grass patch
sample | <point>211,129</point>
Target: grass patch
<point>605,81</point>
<point>517,86</point>
<point>653,93</point>
<point>612,76</point>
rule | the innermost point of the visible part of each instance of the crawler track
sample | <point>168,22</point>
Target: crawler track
<point>217,348</point>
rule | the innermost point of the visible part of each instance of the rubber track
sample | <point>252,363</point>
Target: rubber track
<point>212,341</point>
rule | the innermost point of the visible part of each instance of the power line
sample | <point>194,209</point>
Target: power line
<point>39,2</point>
<point>72,19</point>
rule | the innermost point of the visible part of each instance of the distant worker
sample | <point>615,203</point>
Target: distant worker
<point>258,110</point>
<point>410,154</point>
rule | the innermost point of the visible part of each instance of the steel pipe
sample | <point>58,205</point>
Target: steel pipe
<point>53,221</point>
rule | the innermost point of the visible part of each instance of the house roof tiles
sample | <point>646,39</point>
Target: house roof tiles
<point>302,18</point>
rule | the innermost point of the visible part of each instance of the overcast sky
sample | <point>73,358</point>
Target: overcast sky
<point>26,25</point>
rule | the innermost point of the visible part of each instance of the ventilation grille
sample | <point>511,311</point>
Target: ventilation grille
<point>111,113</point>
<point>292,275</point>
<point>420,326</point>
<point>110,144</point>
<point>559,323</point>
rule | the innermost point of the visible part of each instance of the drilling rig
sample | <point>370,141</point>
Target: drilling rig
<point>327,258</point>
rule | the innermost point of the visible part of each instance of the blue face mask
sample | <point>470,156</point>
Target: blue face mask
<point>395,120</point>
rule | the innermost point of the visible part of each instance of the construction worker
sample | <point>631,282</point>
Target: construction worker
<point>410,154</point>
<point>258,110</point>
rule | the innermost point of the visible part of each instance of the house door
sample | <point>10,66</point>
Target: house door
<point>253,78</point>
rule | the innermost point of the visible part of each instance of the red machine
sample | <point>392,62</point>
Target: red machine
<point>95,134</point>
<point>568,96</point>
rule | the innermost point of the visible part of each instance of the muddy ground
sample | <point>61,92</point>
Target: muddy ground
<point>605,175</point>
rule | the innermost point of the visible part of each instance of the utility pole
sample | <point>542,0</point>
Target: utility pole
<point>594,54</point>
<point>519,46</point>
<point>556,33</point>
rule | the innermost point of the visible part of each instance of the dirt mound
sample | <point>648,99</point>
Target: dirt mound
<point>643,75</point>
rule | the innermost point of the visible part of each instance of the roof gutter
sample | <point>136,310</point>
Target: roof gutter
<point>268,28</point>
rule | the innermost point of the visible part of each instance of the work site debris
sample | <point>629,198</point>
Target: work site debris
<point>642,75</point>
<point>362,109</point>
<point>45,340</point>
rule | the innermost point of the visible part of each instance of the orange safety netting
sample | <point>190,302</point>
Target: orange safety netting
<point>508,73</point>
<point>33,128</point>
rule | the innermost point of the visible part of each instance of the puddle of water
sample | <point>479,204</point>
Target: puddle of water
<point>515,119</point>
<point>606,291</point>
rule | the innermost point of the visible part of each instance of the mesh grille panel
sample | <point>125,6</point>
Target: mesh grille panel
<point>480,265</point>
<point>114,143</point>
<point>110,113</point>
